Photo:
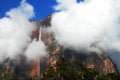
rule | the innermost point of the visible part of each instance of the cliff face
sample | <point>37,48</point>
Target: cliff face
<point>108,66</point>
<point>99,61</point>
<point>44,23</point>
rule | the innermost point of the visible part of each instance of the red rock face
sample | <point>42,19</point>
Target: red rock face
<point>102,63</point>
<point>35,69</point>
<point>108,66</point>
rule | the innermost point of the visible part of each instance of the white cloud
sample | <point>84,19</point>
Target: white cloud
<point>82,24</point>
<point>15,31</point>
<point>35,50</point>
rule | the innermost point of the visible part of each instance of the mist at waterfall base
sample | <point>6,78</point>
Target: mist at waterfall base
<point>89,25</point>
<point>15,34</point>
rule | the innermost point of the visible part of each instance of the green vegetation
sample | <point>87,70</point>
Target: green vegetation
<point>64,71</point>
<point>68,71</point>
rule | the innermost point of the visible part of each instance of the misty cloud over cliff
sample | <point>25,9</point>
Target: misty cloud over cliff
<point>87,24</point>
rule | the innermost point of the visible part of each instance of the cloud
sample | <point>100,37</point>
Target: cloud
<point>64,4</point>
<point>16,30</point>
<point>35,50</point>
<point>81,25</point>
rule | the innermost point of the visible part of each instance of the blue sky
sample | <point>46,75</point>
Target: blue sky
<point>43,8</point>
